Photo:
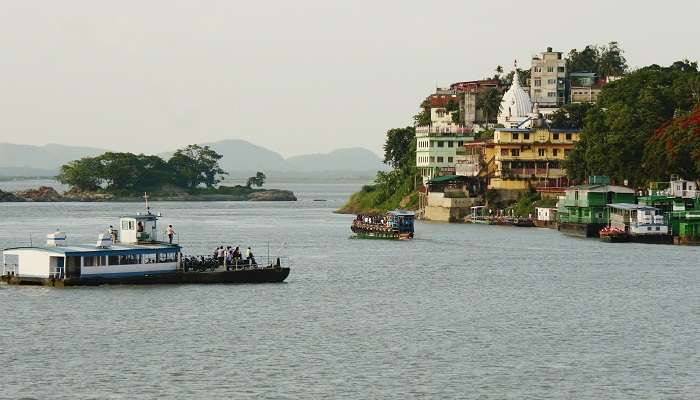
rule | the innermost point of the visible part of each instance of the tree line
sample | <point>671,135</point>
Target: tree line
<point>188,168</point>
<point>643,128</point>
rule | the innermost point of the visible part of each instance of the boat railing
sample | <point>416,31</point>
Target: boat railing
<point>57,272</point>
<point>9,269</point>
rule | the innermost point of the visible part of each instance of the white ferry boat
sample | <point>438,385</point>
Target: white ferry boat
<point>132,254</point>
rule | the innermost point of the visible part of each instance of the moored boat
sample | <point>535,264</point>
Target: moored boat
<point>133,254</point>
<point>396,225</point>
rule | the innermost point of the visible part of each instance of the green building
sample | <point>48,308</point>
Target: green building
<point>679,201</point>
<point>583,211</point>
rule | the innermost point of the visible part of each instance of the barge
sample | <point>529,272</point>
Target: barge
<point>133,254</point>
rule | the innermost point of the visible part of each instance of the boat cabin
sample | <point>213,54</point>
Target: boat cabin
<point>401,220</point>
<point>636,219</point>
<point>132,251</point>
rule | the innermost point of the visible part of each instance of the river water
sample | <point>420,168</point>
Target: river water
<point>462,311</point>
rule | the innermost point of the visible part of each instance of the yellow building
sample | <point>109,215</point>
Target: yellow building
<point>523,157</point>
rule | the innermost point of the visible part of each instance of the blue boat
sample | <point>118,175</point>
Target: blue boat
<point>395,225</point>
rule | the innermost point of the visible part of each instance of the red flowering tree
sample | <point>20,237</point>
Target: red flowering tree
<point>675,148</point>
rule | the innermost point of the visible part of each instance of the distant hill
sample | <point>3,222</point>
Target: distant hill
<point>240,159</point>
<point>351,160</point>
<point>26,160</point>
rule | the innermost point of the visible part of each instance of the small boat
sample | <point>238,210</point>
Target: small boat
<point>396,225</point>
<point>614,235</point>
<point>132,254</point>
<point>524,222</point>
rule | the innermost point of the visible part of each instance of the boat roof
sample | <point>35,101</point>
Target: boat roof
<point>630,206</point>
<point>402,213</point>
<point>91,249</point>
<point>141,216</point>
<point>602,188</point>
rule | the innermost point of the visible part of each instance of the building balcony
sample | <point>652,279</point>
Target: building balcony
<point>444,131</point>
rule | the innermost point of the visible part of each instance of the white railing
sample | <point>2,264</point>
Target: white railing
<point>9,269</point>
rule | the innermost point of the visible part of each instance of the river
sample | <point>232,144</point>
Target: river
<point>462,311</point>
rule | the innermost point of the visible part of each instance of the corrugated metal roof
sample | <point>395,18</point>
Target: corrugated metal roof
<point>630,206</point>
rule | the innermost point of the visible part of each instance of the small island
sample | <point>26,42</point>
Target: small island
<point>191,174</point>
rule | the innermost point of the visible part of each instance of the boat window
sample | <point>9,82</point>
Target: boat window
<point>94,261</point>
<point>113,260</point>
<point>72,261</point>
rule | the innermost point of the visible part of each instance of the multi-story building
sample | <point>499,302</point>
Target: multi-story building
<point>465,95</point>
<point>548,79</point>
<point>436,149</point>
<point>524,157</point>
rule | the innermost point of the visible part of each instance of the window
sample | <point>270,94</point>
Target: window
<point>515,152</point>
<point>450,159</point>
<point>72,262</point>
<point>432,159</point>
<point>538,69</point>
<point>460,143</point>
<point>538,82</point>
<point>440,159</point>
<point>515,136</point>
<point>94,261</point>
<point>560,69</point>
<point>550,69</point>
<point>568,136</point>
<point>555,152</point>
<point>551,94</point>
<point>541,152</point>
<point>555,136</point>
<point>526,136</point>
<point>450,144</point>
<point>441,144</point>
<point>128,225</point>
<point>551,81</point>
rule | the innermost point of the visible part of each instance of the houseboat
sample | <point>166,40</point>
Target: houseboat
<point>679,200</point>
<point>583,211</point>
<point>396,225</point>
<point>636,223</point>
<point>132,254</point>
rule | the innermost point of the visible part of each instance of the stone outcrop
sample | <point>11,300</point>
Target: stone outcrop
<point>273,195</point>
<point>9,197</point>
<point>42,194</point>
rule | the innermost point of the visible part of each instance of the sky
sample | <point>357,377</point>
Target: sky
<point>297,77</point>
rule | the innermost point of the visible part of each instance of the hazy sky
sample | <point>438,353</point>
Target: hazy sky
<point>295,76</point>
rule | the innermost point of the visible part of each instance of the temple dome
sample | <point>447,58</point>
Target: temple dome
<point>516,105</point>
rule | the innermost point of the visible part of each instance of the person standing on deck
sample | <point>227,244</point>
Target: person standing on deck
<point>220,255</point>
<point>251,258</point>
<point>171,233</point>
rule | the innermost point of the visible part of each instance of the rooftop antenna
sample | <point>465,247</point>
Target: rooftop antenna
<point>148,209</point>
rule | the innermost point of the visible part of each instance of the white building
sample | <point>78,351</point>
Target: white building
<point>516,106</point>
<point>548,79</point>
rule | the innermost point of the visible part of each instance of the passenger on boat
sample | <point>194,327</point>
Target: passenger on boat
<point>220,255</point>
<point>171,233</point>
<point>251,258</point>
<point>113,234</point>
<point>139,227</point>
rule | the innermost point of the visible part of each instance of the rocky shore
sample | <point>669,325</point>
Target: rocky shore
<point>49,194</point>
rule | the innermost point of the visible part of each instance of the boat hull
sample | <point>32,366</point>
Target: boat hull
<point>261,275</point>
<point>383,236</point>
<point>581,230</point>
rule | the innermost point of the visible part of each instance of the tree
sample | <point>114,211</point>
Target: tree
<point>397,147</point>
<point>612,62</point>
<point>195,165</point>
<point>423,117</point>
<point>570,116</point>
<point>490,103</point>
<point>675,148</point>
<point>84,174</point>
<point>585,60</point>
<point>602,60</point>
<point>257,180</point>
